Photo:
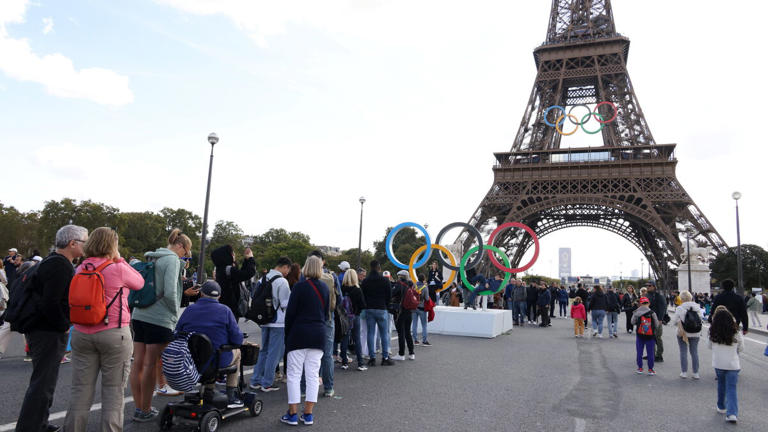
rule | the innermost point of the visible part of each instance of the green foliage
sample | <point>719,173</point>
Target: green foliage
<point>141,232</point>
<point>88,214</point>
<point>754,262</point>
<point>277,242</point>
<point>350,256</point>
<point>20,230</point>
<point>404,245</point>
<point>539,279</point>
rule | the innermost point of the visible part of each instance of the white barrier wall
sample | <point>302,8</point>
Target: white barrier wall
<point>456,321</point>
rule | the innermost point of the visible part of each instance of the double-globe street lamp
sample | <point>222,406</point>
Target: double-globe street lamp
<point>201,276</point>
<point>360,237</point>
<point>736,197</point>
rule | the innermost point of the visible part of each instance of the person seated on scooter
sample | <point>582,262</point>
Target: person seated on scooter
<point>216,321</point>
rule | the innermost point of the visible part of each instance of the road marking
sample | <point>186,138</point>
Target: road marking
<point>60,415</point>
<point>580,424</point>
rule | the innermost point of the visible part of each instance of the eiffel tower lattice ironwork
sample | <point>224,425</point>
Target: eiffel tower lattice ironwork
<point>627,186</point>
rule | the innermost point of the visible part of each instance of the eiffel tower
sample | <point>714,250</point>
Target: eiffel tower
<point>627,185</point>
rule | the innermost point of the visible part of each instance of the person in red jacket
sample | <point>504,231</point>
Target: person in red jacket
<point>579,315</point>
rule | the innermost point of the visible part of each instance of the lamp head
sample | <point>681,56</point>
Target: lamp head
<point>362,200</point>
<point>736,195</point>
<point>213,138</point>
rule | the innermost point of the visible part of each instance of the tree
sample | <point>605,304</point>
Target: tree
<point>88,214</point>
<point>404,245</point>
<point>754,261</point>
<point>20,230</point>
<point>277,242</point>
<point>350,256</point>
<point>141,232</point>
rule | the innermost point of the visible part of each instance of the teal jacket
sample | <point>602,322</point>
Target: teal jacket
<point>165,311</point>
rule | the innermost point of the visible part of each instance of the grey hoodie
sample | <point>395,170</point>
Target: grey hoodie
<point>642,310</point>
<point>165,311</point>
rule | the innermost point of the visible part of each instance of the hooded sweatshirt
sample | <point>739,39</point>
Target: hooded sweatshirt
<point>229,276</point>
<point>679,315</point>
<point>640,311</point>
<point>165,311</point>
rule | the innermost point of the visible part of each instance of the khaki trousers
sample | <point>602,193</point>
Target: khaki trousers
<point>107,352</point>
<point>578,327</point>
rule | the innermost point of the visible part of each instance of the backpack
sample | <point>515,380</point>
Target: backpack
<point>147,295</point>
<point>692,321</point>
<point>645,324</point>
<point>410,299</point>
<point>262,309</point>
<point>87,298</point>
<point>24,299</point>
<point>178,366</point>
<point>346,306</point>
<point>342,323</point>
<point>244,299</point>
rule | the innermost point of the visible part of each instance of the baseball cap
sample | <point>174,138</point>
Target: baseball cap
<point>386,273</point>
<point>37,258</point>
<point>650,283</point>
<point>403,273</point>
<point>643,300</point>
<point>211,288</point>
<point>344,266</point>
<point>13,250</point>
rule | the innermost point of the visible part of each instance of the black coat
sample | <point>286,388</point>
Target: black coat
<point>581,292</point>
<point>376,290</point>
<point>658,304</point>
<point>735,305</point>
<point>356,296</point>
<point>613,301</point>
<point>229,276</point>
<point>53,277</point>
<point>533,294</point>
<point>599,301</point>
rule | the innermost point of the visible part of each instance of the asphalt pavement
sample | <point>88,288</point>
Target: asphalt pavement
<point>531,379</point>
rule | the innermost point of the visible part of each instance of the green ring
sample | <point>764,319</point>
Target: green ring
<point>586,117</point>
<point>463,274</point>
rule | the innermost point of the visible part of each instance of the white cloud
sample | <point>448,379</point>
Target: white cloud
<point>56,71</point>
<point>47,25</point>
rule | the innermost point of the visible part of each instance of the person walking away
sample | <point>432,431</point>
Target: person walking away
<point>305,336</point>
<point>579,315</point>
<point>726,343</point>
<point>272,334</point>
<point>628,305</point>
<point>543,301</point>
<point>552,300</point>
<point>531,299</point>
<point>688,318</point>
<point>659,306</point>
<point>754,306</point>
<point>327,362</point>
<point>646,323</point>
<point>403,316</point>
<point>562,299</point>
<point>733,302</point>
<point>612,312</point>
<point>105,347</point>
<point>153,325</point>
<point>377,292</point>
<point>420,314</point>
<point>229,277</point>
<point>584,295</point>
<point>47,332</point>
<point>597,306</point>
<point>354,303</point>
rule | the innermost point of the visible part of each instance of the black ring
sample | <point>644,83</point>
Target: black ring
<point>478,255</point>
<point>579,105</point>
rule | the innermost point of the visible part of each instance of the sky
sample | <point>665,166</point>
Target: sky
<point>319,103</point>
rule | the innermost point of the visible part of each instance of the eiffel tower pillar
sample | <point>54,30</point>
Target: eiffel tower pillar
<point>627,186</point>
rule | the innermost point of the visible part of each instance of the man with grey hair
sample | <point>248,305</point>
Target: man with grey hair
<point>47,331</point>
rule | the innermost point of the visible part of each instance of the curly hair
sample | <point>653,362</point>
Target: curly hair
<point>723,327</point>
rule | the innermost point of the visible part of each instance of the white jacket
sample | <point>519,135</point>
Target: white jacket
<point>727,356</point>
<point>679,315</point>
<point>281,292</point>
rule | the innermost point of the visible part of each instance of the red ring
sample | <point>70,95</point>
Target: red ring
<point>615,111</point>
<point>501,227</point>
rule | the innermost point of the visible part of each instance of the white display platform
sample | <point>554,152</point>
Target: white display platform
<point>456,321</point>
<point>700,278</point>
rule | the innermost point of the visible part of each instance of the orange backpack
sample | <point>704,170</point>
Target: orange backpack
<point>87,298</point>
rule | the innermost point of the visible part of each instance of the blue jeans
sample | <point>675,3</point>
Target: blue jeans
<point>378,318</point>
<point>726,391</point>
<point>272,347</point>
<point>519,311</point>
<point>354,334</point>
<point>326,364</point>
<point>597,320</point>
<point>693,347</point>
<point>613,322</point>
<point>469,298</point>
<point>417,315</point>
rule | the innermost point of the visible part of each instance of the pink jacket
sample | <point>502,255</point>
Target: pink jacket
<point>117,275</point>
<point>578,311</point>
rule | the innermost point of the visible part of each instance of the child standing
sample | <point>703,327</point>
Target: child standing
<point>726,344</point>
<point>579,314</point>
<point>646,323</point>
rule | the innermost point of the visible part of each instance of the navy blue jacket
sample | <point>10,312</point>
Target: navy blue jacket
<point>306,315</point>
<point>214,320</point>
<point>377,291</point>
<point>508,292</point>
<point>544,298</point>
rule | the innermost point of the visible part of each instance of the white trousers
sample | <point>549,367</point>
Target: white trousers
<point>307,360</point>
<point>5,336</point>
<point>753,316</point>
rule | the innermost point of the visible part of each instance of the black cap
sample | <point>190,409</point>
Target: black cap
<point>211,289</point>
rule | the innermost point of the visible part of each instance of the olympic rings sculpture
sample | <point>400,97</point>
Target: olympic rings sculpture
<point>420,257</point>
<point>558,124</point>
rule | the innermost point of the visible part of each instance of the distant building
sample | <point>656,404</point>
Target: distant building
<point>330,250</point>
<point>635,274</point>
<point>564,267</point>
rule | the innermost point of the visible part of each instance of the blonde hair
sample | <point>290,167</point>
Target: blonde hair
<point>577,300</point>
<point>178,238</point>
<point>643,290</point>
<point>686,296</point>
<point>313,267</point>
<point>350,278</point>
<point>101,243</point>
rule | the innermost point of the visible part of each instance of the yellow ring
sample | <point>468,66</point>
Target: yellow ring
<point>557,122</point>
<point>416,254</point>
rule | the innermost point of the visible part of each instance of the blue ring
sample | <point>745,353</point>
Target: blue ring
<point>391,236</point>
<point>546,113</point>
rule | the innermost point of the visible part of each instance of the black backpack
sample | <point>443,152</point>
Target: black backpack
<point>262,310</point>
<point>692,321</point>
<point>24,298</point>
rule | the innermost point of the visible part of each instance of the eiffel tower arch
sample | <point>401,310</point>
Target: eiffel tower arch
<point>627,185</point>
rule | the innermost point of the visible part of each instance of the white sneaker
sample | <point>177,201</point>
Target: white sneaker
<point>731,419</point>
<point>696,376</point>
<point>600,336</point>
<point>721,411</point>
<point>166,390</point>
<point>398,357</point>
<point>683,375</point>
<point>411,357</point>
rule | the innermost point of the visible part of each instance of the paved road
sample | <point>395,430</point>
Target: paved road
<point>532,379</point>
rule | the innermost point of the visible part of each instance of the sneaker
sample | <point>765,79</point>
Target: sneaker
<point>651,372</point>
<point>329,393</point>
<point>307,419</point>
<point>166,390</point>
<point>720,411</point>
<point>731,419</point>
<point>371,362</point>
<point>344,366</point>
<point>411,357</point>
<point>387,362</point>
<point>65,359</point>
<point>269,389</point>
<point>415,342</point>
<point>27,358</point>
<point>696,376</point>
<point>50,427</point>
<point>398,357</point>
<point>426,343</point>
<point>594,334</point>
<point>599,336</point>
<point>254,387</point>
<point>144,417</point>
<point>684,375</point>
<point>639,371</point>
<point>235,403</point>
<point>291,419</point>
<point>362,368</point>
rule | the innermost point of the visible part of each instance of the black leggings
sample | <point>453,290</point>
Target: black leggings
<point>403,326</point>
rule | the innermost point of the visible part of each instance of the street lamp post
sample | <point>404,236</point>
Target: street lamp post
<point>201,276</point>
<point>360,236</point>
<point>736,196</point>
<point>688,246</point>
<point>641,268</point>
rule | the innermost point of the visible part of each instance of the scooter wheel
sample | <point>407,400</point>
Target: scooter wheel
<point>210,422</point>
<point>166,419</point>
<point>255,407</point>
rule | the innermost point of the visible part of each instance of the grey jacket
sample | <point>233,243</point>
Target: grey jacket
<point>642,310</point>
